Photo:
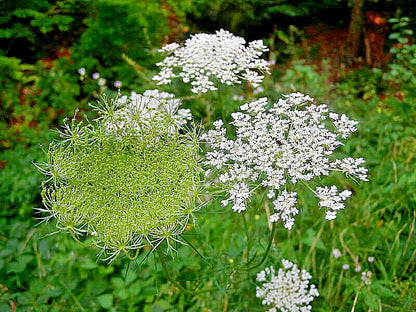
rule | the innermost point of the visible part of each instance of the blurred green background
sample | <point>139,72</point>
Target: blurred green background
<point>358,56</point>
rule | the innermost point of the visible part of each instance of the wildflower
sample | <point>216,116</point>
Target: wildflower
<point>291,143</point>
<point>205,58</point>
<point>101,82</point>
<point>366,277</point>
<point>351,167</point>
<point>357,268</point>
<point>238,97</point>
<point>124,180</point>
<point>171,105</point>
<point>81,71</point>
<point>258,90</point>
<point>238,195</point>
<point>345,266</point>
<point>330,199</point>
<point>95,76</point>
<point>285,209</point>
<point>370,259</point>
<point>288,290</point>
<point>157,94</point>
<point>336,253</point>
<point>118,84</point>
<point>148,105</point>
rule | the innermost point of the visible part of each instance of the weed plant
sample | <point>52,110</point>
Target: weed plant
<point>361,261</point>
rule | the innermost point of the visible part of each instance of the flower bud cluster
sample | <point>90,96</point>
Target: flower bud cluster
<point>290,143</point>
<point>205,58</point>
<point>127,179</point>
<point>286,291</point>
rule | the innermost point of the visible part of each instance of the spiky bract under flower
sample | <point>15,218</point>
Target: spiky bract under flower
<point>125,179</point>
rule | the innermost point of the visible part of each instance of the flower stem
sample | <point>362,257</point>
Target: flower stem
<point>247,236</point>
<point>269,245</point>
<point>169,276</point>
<point>77,240</point>
<point>221,105</point>
<point>136,254</point>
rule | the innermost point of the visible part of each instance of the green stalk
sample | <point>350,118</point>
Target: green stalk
<point>269,245</point>
<point>169,276</point>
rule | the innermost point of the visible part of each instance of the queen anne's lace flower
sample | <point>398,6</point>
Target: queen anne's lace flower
<point>330,199</point>
<point>284,207</point>
<point>286,291</point>
<point>128,179</point>
<point>205,58</point>
<point>290,142</point>
<point>137,109</point>
<point>351,167</point>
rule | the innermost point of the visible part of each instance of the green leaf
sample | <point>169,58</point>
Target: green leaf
<point>394,36</point>
<point>105,301</point>
<point>121,293</point>
<point>381,290</point>
<point>393,20</point>
<point>135,288</point>
<point>371,300</point>
<point>7,33</point>
<point>282,36</point>
<point>310,240</point>
<point>23,13</point>
<point>117,282</point>
<point>88,264</point>
<point>394,50</point>
<point>20,264</point>
<point>288,10</point>
<point>402,40</point>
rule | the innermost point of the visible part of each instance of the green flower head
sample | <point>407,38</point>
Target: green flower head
<point>127,179</point>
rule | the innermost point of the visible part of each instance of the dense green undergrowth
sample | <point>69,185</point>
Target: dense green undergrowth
<point>43,272</point>
<point>376,232</point>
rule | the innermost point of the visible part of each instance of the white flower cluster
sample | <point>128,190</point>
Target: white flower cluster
<point>285,209</point>
<point>136,109</point>
<point>286,291</point>
<point>180,115</point>
<point>205,58</point>
<point>289,143</point>
<point>330,199</point>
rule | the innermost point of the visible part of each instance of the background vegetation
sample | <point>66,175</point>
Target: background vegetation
<point>368,74</point>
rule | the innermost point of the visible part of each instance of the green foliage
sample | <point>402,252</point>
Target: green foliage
<point>302,77</point>
<point>52,273</point>
<point>257,18</point>
<point>137,28</point>
<point>40,80</point>
<point>284,44</point>
<point>19,180</point>
<point>58,86</point>
<point>33,98</point>
<point>403,70</point>
<point>41,272</point>
<point>364,83</point>
<point>13,78</point>
<point>30,24</point>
